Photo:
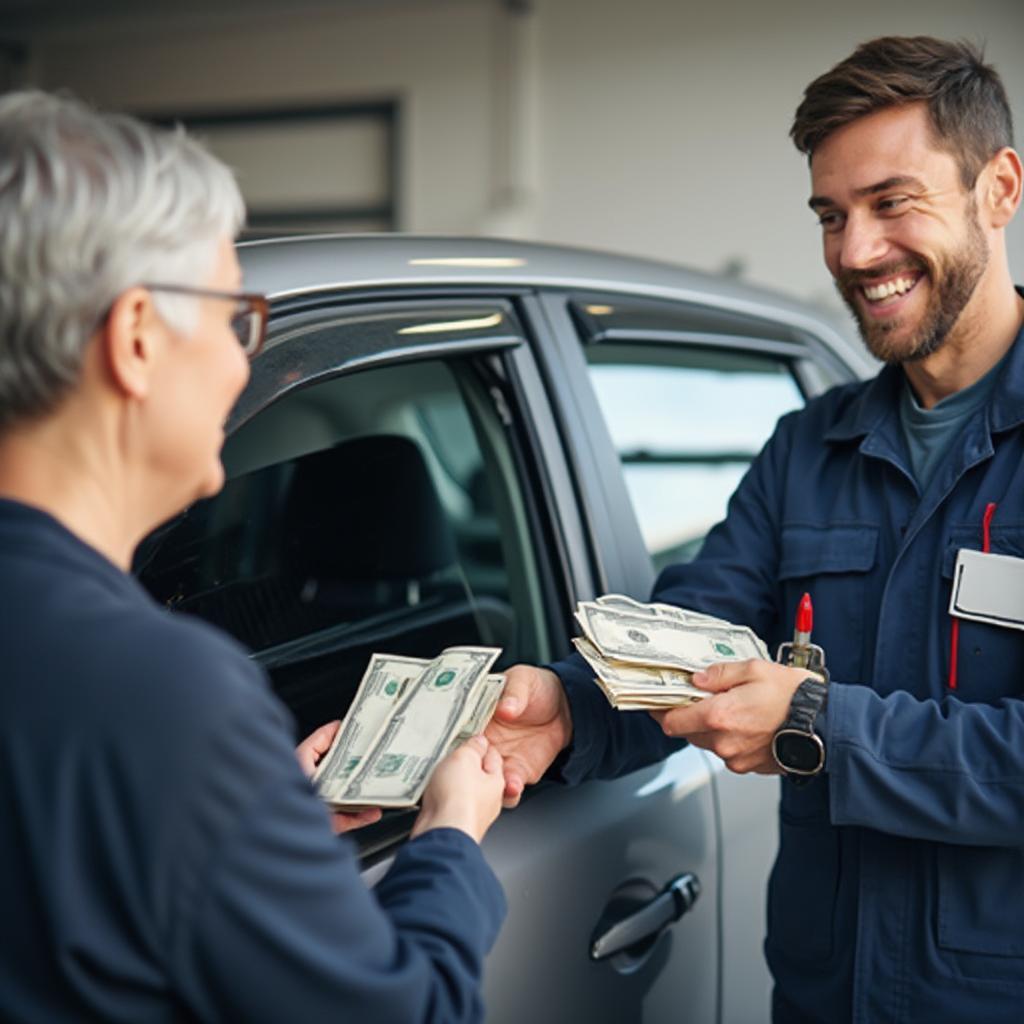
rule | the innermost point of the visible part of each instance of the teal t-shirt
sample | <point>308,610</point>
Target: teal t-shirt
<point>929,433</point>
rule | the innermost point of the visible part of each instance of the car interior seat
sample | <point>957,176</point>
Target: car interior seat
<point>364,530</point>
<point>371,563</point>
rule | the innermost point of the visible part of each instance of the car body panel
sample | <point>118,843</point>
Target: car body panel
<point>287,268</point>
<point>595,841</point>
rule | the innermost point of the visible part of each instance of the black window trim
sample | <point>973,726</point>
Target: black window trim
<point>284,328</point>
<point>701,339</point>
<point>802,344</point>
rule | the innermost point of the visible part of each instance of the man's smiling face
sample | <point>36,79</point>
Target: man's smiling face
<point>901,233</point>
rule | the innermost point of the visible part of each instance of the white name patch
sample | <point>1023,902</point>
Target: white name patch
<point>988,588</point>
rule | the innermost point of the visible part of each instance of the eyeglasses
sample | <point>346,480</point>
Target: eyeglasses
<point>249,320</point>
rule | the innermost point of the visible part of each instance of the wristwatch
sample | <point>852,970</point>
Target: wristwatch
<point>798,750</point>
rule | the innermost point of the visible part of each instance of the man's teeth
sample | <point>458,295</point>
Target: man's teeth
<point>899,286</point>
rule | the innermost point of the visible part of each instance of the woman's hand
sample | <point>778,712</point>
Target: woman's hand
<point>309,753</point>
<point>464,791</point>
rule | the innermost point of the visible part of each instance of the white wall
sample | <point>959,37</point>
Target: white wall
<point>650,126</point>
<point>665,124</point>
<point>436,57</point>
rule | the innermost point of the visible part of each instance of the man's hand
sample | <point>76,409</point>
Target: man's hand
<point>530,727</point>
<point>309,752</point>
<point>751,700</point>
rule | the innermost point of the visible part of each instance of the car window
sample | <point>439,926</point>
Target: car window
<point>374,510</point>
<point>686,417</point>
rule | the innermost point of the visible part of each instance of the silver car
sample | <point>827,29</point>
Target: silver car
<point>451,441</point>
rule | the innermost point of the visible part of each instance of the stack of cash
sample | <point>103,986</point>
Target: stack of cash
<point>644,655</point>
<point>407,714</point>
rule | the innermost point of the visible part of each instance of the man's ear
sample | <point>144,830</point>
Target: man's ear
<point>130,336</point>
<point>1001,187</point>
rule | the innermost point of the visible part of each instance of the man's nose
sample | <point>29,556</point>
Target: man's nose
<point>863,243</point>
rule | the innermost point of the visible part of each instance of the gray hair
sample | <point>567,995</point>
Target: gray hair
<point>90,205</point>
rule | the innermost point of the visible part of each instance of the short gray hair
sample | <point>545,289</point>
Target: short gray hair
<point>90,205</point>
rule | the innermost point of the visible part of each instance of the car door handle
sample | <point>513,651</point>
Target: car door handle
<point>645,923</point>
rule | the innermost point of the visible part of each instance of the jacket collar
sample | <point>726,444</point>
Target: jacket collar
<point>869,408</point>
<point>1007,409</point>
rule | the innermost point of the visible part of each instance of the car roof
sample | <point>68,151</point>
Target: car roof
<point>287,267</point>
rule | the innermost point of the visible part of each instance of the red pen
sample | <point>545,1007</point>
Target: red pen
<point>800,652</point>
<point>954,630</point>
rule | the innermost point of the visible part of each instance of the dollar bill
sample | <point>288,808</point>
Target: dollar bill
<point>624,603</point>
<point>420,730</point>
<point>664,642</point>
<point>636,685</point>
<point>668,611</point>
<point>656,609</point>
<point>644,655</point>
<point>632,676</point>
<point>385,682</point>
<point>489,694</point>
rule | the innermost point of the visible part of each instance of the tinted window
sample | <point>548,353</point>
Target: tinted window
<point>377,510</point>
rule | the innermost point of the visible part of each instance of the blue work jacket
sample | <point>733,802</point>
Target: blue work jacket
<point>162,855</point>
<point>897,893</point>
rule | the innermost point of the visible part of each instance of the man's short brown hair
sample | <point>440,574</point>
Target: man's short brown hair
<point>966,101</point>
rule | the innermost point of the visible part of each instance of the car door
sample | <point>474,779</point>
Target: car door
<point>398,481</point>
<point>665,404</point>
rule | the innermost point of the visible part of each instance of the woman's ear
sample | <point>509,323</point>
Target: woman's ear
<point>130,336</point>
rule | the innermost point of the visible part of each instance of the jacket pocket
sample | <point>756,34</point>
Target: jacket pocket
<point>832,564</point>
<point>989,657</point>
<point>980,901</point>
<point>1007,539</point>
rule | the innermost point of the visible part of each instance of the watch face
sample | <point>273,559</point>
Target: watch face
<point>799,752</point>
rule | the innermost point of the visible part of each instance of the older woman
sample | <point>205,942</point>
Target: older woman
<point>163,855</point>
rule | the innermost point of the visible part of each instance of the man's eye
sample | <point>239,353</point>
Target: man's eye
<point>891,203</point>
<point>830,221</point>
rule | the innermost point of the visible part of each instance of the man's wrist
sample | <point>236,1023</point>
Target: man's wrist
<point>584,705</point>
<point>797,747</point>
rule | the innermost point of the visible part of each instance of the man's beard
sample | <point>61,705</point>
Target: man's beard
<point>952,278</point>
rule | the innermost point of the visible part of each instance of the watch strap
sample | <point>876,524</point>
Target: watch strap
<point>809,700</point>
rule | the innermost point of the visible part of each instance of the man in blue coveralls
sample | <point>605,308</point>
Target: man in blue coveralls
<point>898,889</point>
